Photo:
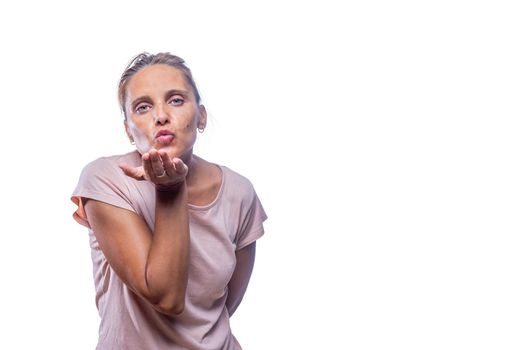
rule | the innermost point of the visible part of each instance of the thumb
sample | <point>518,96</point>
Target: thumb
<point>136,173</point>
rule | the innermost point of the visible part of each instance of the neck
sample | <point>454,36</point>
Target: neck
<point>193,164</point>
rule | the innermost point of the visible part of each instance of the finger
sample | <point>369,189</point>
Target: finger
<point>180,166</point>
<point>148,168</point>
<point>169,167</point>
<point>136,173</point>
<point>156,163</point>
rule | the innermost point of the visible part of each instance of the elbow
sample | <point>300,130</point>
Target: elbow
<point>168,300</point>
<point>170,304</point>
<point>170,307</point>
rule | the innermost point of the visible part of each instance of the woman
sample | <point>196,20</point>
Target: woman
<point>172,236</point>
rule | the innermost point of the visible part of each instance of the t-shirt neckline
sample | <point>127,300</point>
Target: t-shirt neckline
<point>217,198</point>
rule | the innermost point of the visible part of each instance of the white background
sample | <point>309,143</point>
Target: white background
<point>384,139</point>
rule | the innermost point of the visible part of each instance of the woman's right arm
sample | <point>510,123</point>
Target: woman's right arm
<point>153,264</point>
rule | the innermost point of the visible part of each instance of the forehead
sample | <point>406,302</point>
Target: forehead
<point>156,79</point>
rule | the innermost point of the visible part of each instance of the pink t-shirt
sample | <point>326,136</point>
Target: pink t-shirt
<point>232,221</point>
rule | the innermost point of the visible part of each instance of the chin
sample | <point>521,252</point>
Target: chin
<point>171,151</point>
<point>175,152</point>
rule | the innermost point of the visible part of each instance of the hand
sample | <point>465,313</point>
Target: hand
<point>156,167</point>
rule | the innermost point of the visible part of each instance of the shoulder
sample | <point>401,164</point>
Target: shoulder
<point>235,178</point>
<point>104,172</point>
<point>103,180</point>
<point>244,201</point>
<point>109,164</point>
<point>238,184</point>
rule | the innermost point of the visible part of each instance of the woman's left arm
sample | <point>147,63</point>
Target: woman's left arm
<point>240,279</point>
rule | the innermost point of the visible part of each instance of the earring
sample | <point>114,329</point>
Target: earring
<point>200,130</point>
<point>132,142</point>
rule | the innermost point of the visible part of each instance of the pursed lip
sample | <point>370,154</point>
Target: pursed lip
<point>164,133</point>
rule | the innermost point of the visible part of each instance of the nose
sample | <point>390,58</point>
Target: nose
<point>161,116</point>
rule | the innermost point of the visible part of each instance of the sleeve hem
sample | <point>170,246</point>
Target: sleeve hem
<point>251,238</point>
<point>79,214</point>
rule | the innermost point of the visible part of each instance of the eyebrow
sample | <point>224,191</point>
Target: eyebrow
<point>168,94</point>
<point>138,100</point>
<point>176,92</point>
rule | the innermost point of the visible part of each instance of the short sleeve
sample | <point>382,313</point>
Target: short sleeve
<point>104,181</point>
<point>251,227</point>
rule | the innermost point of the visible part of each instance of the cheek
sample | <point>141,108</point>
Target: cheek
<point>137,129</point>
<point>141,141</point>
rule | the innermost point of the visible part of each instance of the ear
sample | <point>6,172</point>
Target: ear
<point>202,119</point>
<point>128,132</point>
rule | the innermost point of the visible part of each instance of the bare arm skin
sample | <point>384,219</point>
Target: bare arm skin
<point>240,279</point>
<point>152,264</point>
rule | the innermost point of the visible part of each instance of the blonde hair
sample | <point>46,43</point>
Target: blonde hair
<point>146,59</point>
